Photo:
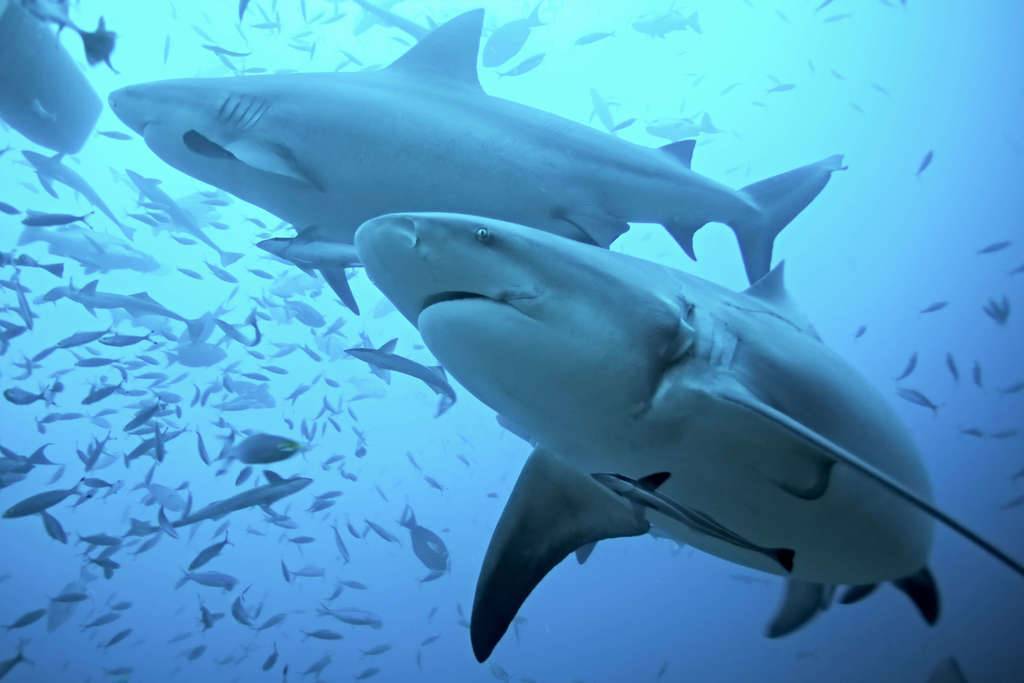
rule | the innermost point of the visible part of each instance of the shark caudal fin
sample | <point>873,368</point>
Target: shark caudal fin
<point>779,200</point>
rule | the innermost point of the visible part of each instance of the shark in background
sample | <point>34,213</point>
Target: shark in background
<point>335,150</point>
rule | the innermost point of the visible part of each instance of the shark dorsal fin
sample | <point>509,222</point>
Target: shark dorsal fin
<point>389,346</point>
<point>652,481</point>
<point>681,151</point>
<point>449,51</point>
<point>273,477</point>
<point>91,287</point>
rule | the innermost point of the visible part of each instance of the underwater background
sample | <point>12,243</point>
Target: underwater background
<point>886,83</point>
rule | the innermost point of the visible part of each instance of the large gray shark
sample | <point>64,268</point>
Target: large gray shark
<point>43,94</point>
<point>612,364</point>
<point>334,150</point>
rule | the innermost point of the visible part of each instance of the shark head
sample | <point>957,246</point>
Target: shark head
<point>523,317</point>
<point>218,130</point>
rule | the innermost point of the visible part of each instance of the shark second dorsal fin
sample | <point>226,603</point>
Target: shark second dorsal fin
<point>554,510</point>
<point>449,51</point>
<point>772,287</point>
<point>681,151</point>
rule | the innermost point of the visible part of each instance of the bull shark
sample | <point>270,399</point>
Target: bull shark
<point>276,488</point>
<point>52,169</point>
<point>616,365</point>
<point>337,149</point>
<point>45,96</point>
<point>136,305</point>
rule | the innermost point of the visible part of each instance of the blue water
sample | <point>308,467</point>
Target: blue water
<point>878,245</point>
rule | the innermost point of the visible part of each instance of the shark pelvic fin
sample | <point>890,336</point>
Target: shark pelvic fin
<point>554,509</point>
<point>801,602</point>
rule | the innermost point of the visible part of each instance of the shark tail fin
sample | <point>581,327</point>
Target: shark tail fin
<point>229,257</point>
<point>779,200</point>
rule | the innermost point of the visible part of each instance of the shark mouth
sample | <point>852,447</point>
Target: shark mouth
<point>505,298</point>
<point>203,146</point>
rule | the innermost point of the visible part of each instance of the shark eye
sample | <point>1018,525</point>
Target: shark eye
<point>483,235</point>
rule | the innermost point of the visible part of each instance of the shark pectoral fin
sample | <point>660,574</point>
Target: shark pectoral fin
<point>553,510</point>
<point>840,455</point>
<point>584,551</point>
<point>271,158</point>
<point>922,590</point>
<point>338,281</point>
<point>515,428</point>
<point>801,602</point>
<point>600,229</point>
<point>203,146</point>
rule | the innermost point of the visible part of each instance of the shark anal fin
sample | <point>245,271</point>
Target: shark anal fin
<point>855,594</point>
<point>923,592</point>
<point>841,455</point>
<point>652,481</point>
<point>801,602</point>
<point>584,551</point>
<point>553,510</point>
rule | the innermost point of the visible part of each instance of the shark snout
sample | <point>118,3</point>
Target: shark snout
<point>129,105</point>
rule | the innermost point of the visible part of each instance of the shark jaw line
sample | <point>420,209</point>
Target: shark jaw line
<point>505,298</point>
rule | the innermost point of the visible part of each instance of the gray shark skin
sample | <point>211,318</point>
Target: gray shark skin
<point>335,150</point>
<point>617,365</point>
<point>43,94</point>
<point>267,494</point>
